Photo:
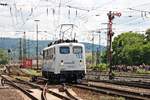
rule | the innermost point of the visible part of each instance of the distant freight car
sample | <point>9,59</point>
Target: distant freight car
<point>26,63</point>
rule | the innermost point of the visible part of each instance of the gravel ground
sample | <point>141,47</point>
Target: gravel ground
<point>125,76</point>
<point>12,94</point>
<point>90,95</point>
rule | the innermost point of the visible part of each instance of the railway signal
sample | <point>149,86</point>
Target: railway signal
<point>111,15</point>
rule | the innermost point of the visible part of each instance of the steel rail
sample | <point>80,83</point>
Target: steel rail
<point>111,91</point>
<point>5,78</point>
<point>70,95</point>
<point>48,91</point>
<point>144,85</point>
<point>128,76</point>
<point>64,88</point>
<point>43,94</point>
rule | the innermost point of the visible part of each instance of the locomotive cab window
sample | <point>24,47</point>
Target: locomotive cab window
<point>77,50</point>
<point>64,50</point>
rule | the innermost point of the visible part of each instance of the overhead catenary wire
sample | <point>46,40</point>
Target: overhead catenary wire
<point>78,12</point>
<point>32,10</point>
<point>140,5</point>
<point>142,16</point>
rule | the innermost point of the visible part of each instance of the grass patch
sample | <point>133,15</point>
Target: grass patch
<point>22,77</point>
<point>100,67</point>
<point>32,72</point>
<point>142,71</point>
<point>111,98</point>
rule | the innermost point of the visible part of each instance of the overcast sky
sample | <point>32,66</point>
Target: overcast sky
<point>88,15</point>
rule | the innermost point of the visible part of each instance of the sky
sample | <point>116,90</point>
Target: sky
<point>88,17</point>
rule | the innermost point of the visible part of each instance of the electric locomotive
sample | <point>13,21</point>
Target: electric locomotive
<point>64,60</point>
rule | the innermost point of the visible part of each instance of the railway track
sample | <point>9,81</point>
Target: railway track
<point>7,80</point>
<point>63,88</point>
<point>121,77</point>
<point>125,74</point>
<point>43,94</point>
<point>112,91</point>
<point>69,96</point>
<point>43,88</point>
<point>136,76</point>
<point>145,85</point>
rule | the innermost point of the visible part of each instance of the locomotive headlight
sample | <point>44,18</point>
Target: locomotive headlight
<point>62,63</point>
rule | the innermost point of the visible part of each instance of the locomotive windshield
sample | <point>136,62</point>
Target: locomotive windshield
<point>77,50</point>
<point>64,50</point>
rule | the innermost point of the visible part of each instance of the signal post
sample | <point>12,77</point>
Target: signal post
<point>111,15</point>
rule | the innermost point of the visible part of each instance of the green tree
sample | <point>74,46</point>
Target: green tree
<point>146,53</point>
<point>104,57</point>
<point>148,34</point>
<point>89,58</point>
<point>127,48</point>
<point>3,57</point>
<point>135,55</point>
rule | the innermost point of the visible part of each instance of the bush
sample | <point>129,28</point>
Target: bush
<point>101,67</point>
<point>3,57</point>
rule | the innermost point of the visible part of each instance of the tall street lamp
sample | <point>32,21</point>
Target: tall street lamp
<point>37,44</point>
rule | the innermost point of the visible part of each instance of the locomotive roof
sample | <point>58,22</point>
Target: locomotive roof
<point>64,44</point>
<point>62,41</point>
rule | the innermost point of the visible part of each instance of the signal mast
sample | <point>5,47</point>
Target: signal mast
<point>111,15</point>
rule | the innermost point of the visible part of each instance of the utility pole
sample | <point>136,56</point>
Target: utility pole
<point>98,52</point>
<point>24,46</point>
<point>10,55</point>
<point>37,44</point>
<point>20,50</point>
<point>93,49</point>
<point>111,15</point>
<point>28,48</point>
<point>99,55</point>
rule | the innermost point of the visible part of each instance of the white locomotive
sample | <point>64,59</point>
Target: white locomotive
<point>64,60</point>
